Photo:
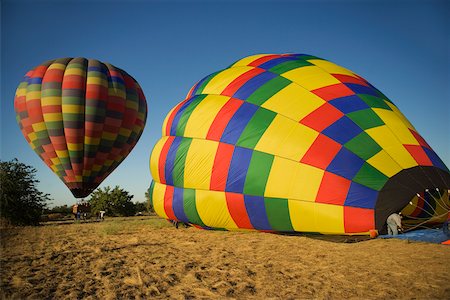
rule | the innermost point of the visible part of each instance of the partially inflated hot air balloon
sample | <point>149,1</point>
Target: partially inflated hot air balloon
<point>82,117</point>
<point>291,143</point>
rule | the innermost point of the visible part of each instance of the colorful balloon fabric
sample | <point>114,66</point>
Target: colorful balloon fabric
<point>289,143</point>
<point>82,117</point>
<point>429,204</point>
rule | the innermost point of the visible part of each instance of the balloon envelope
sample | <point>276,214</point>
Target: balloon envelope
<point>289,143</point>
<point>82,117</point>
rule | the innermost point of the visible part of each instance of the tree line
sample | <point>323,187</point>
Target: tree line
<point>21,203</point>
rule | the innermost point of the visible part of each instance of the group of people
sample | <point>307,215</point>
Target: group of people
<point>81,210</point>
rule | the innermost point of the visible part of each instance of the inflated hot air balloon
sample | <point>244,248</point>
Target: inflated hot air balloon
<point>82,117</point>
<point>290,143</point>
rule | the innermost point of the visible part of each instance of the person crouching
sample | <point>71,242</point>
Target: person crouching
<point>394,222</point>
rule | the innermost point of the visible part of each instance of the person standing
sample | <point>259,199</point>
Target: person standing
<point>75,211</point>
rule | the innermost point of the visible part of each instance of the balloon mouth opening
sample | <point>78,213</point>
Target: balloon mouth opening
<point>429,208</point>
<point>420,193</point>
<point>82,192</point>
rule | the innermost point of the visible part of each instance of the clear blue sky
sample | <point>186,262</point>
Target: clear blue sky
<point>401,47</point>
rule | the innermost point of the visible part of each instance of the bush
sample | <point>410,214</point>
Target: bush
<point>55,216</point>
<point>21,202</point>
<point>63,209</point>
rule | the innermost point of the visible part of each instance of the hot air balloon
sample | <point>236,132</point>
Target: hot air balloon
<point>82,117</point>
<point>291,143</point>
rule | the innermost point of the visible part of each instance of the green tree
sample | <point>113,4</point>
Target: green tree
<point>62,209</point>
<point>141,206</point>
<point>21,202</point>
<point>116,202</point>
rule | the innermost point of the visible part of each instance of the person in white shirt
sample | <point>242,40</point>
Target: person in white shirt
<point>394,222</point>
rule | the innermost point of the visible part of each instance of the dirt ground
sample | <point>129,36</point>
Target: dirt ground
<point>137,258</point>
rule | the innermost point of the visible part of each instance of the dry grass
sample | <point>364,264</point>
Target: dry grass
<point>146,257</point>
